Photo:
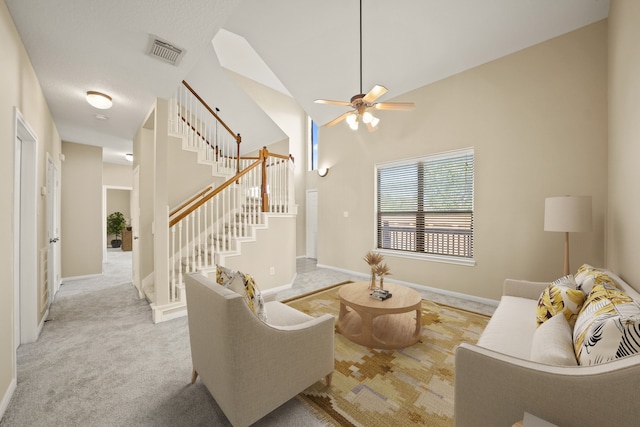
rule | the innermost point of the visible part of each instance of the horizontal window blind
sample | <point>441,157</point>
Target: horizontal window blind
<point>426,205</point>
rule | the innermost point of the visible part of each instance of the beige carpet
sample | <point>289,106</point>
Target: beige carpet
<point>411,386</point>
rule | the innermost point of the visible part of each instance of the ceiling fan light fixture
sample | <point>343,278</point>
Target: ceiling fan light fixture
<point>367,117</point>
<point>354,125</point>
<point>99,100</point>
<point>352,118</point>
<point>374,121</point>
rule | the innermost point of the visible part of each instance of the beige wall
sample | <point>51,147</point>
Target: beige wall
<point>292,119</point>
<point>537,121</point>
<point>82,214</point>
<point>187,177</point>
<point>20,88</point>
<point>623,230</point>
<point>116,175</point>
<point>275,248</point>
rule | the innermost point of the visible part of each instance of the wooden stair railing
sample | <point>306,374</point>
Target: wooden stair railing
<point>206,195</point>
<point>236,136</point>
<point>191,200</point>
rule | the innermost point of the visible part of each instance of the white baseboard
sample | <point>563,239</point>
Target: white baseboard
<point>460,295</point>
<point>72,278</point>
<point>41,325</point>
<point>162,313</point>
<point>4,404</point>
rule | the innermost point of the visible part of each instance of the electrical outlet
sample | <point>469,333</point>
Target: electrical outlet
<point>272,271</point>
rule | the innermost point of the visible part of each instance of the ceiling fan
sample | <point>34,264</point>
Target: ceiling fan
<point>361,103</point>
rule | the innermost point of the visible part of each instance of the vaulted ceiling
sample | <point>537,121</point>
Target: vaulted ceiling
<point>307,50</point>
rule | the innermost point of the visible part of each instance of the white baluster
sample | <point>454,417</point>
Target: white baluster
<point>172,266</point>
<point>199,251</point>
<point>180,252</point>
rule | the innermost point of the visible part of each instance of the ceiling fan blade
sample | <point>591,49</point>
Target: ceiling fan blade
<point>376,92</point>
<point>394,106</point>
<point>330,102</point>
<point>339,119</point>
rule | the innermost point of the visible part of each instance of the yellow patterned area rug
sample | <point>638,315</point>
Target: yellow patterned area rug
<point>410,386</point>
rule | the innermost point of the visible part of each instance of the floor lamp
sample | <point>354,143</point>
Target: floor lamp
<point>567,214</point>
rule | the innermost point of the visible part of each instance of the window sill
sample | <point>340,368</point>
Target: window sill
<point>469,262</point>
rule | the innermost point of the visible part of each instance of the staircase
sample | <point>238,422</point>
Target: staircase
<point>212,225</point>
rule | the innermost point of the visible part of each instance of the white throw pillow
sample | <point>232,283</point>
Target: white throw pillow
<point>553,343</point>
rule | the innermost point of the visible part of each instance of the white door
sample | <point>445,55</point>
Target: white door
<point>312,224</point>
<point>135,231</point>
<point>53,229</point>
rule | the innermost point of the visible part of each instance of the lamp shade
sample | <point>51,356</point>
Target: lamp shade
<point>567,214</point>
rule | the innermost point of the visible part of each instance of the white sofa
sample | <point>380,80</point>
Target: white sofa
<point>251,367</point>
<point>496,381</point>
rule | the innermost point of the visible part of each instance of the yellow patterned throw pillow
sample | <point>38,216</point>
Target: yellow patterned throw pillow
<point>244,285</point>
<point>608,327</point>
<point>561,296</point>
<point>587,277</point>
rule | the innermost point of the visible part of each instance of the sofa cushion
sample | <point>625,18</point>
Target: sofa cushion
<point>244,285</point>
<point>560,297</point>
<point>553,343</point>
<point>510,330</point>
<point>283,315</point>
<point>608,326</point>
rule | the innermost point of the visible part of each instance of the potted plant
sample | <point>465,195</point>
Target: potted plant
<point>115,225</point>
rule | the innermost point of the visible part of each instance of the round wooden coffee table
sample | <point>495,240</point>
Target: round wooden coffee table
<point>386,324</point>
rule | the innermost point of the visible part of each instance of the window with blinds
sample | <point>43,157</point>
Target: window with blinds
<point>426,205</point>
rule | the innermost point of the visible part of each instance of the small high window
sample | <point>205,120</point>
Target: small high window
<point>313,145</point>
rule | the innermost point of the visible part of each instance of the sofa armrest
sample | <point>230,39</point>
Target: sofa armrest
<point>523,288</point>
<point>493,389</point>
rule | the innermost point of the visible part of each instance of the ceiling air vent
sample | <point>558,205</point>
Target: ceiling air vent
<point>165,51</point>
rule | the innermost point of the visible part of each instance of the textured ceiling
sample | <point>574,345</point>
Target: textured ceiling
<point>306,49</point>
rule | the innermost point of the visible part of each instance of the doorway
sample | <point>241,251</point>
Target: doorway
<point>312,223</point>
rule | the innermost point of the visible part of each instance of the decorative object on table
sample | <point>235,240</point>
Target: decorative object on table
<point>380,294</point>
<point>382,270</point>
<point>116,223</point>
<point>567,214</point>
<point>373,259</point>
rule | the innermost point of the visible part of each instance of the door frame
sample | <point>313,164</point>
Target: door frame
<point>25,235</point>
<point>53,228</point>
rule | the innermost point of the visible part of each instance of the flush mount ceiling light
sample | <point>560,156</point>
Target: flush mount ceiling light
<point>99,100</point>
<point>129,157</point>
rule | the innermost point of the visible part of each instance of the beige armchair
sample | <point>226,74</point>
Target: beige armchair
<point>251,367</point>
